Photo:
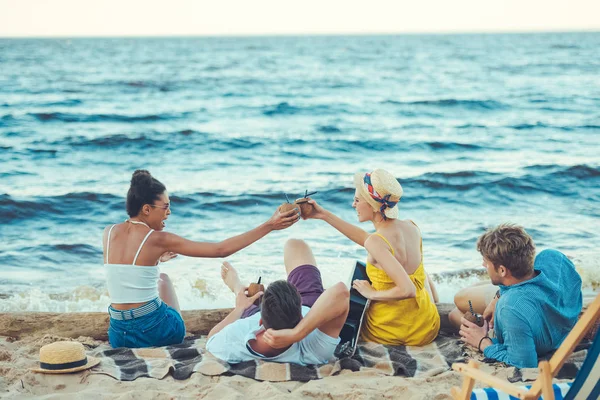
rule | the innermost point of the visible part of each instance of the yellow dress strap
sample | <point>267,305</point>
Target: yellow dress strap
<point>385,240</point>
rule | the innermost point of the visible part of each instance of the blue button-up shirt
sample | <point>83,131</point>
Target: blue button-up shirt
<point>532,318</point>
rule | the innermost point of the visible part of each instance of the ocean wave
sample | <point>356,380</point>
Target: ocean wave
<point>51,258</point>
<point>453,103</point>
<point>559,180</point>
<point>144,141</point>
<point>69,204</point>
<point>566,181</point>
<point>233,144</point>
<point>285,108</point>
<point>57,103</point>
<point>70,117</point>
<point>541,125</point>
<point>193,293</point>
<point>15,173</point>
<point>453,146</point>
<point>418,126</point>
<point>198,291</point>
<point>209,142</point>
<point>80,299</point>
<point>163,87</point>
<point>61,103</point>
<point>8,120</point>
<point>355,146</point>
<point>74,250</point>
<point>564,46</point>
<point>234,94</point>
<point>48,152</point>
<point>114,141</point>
<point>581,171</point>
<point>578,172</point>
<point>589,126</point>
<point>563,181</point>
<point>73,204</point>
<point>521,127</point>
<point>328,129</point>
<point>471,126</point>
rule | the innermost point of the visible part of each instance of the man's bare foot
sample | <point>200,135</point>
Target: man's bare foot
<point>231,278</point>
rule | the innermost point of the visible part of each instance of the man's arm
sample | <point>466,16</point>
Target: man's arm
<point>328,314</point>
<point>232,317</point>
<point>518,348</point>
<point>241,303</point>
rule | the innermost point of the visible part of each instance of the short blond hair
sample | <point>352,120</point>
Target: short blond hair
<point>508,245</point>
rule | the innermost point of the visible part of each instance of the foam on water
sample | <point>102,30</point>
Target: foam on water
<point>200,288</point>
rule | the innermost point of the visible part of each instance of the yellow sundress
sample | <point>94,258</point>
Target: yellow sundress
<point>413,322</point>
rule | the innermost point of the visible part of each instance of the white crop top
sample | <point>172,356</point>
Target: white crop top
<point>131,283</point>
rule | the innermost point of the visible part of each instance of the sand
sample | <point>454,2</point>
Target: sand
<point>16,381</point>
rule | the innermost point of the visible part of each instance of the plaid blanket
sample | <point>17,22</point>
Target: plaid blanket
<point>184,359</point>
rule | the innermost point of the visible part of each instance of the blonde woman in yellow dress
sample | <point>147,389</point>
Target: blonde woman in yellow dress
<point>402,309</point>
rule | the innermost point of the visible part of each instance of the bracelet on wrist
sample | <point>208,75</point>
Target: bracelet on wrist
<point>479,345</point>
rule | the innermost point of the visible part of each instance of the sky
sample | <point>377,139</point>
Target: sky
<point>48,18</point>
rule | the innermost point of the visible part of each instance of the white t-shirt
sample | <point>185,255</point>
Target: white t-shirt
<point>231,344</point>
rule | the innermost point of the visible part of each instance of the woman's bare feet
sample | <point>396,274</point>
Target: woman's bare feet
<point>231,278</point>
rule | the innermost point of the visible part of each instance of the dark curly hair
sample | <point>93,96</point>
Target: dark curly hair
<point>281,306</point>
<point>144,189</point>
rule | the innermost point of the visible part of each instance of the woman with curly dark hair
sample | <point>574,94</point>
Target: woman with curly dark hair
<point>144,310</point>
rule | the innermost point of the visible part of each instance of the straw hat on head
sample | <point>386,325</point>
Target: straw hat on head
<point>64,357</point>
<point>381,190</point>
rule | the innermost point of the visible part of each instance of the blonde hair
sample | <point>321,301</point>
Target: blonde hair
<point>508,245</point>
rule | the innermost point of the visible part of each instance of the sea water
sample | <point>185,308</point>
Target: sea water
<point>478,129</point>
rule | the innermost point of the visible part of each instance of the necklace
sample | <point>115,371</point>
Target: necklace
<point>137,223</point>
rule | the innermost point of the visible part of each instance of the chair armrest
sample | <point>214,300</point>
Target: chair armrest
<point>505,386</point>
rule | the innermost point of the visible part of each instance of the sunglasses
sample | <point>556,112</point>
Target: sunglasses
<point>166,206</point>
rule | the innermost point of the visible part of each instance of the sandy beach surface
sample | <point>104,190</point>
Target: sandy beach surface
<point>17,382</point>
<point>17,356</point>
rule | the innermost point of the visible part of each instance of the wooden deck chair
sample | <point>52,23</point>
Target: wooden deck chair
<point>585,386</point>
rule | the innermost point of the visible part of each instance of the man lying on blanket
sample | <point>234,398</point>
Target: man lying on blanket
<point>297,321</point>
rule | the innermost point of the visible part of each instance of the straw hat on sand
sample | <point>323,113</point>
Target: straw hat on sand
<point>64,357</point>
<point>381,190</point>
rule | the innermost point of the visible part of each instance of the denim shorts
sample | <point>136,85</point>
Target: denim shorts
<point>161,327</point>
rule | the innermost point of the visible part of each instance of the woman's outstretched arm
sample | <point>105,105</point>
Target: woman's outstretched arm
<point>225,248</point>
<point>352,232</point>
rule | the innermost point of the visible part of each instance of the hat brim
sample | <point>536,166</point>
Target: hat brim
<point>360,185</point>
<point>92,362</point>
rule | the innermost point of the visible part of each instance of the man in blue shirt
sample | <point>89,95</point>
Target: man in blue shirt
<point>540,298</point>
<point>297,322</point>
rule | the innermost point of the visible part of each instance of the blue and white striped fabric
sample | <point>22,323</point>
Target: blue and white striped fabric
<point>560,393</point>
<point>586,385</point>
<point>587,382</point>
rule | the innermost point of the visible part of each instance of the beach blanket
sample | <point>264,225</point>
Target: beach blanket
<point>184,359</point>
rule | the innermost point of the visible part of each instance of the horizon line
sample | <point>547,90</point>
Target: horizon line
<point>324,34</point>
